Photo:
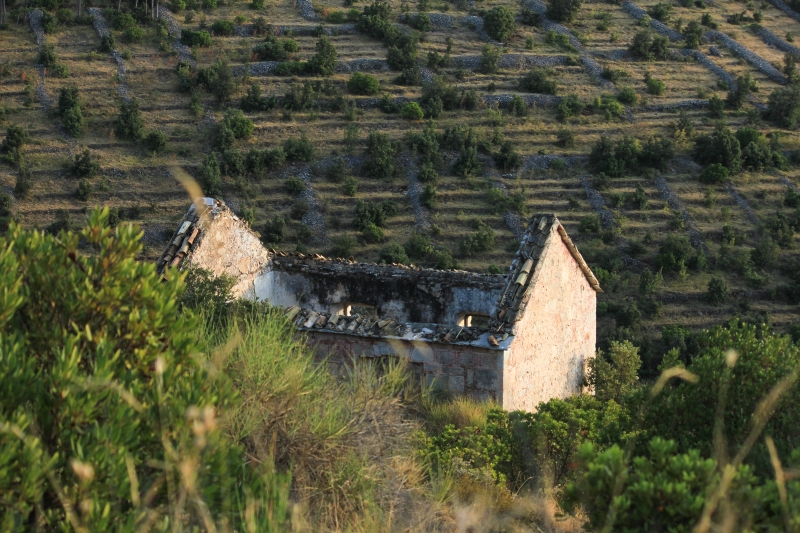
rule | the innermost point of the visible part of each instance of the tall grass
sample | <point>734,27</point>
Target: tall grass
<point>345,439</point>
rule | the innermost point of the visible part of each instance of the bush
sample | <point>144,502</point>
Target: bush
<point>467,163</point>
<point>299,209</point>
<point>783,107</point>
<point>675,253</point>
<point>343,246</point>
<point>420,22</point>
<point>654,86</point>
<point>274,50</point>
<point>713,174</point>
<point>490,57</point>
<point>84,191</point>
<point>660,11</point>
<point>192,38</point>
<point>294,186</point>
<point>657,153</point>
<point>570,106</point>
<point>367,213</point>
<point>537,81</point>
<point>210,177</point>
<point>499,23</point>
<point>274,231</point>
<point>373,234</point>
<point>68,97</point>
<point>745,85</point>
<point>134,34</point>
<point>298,149</point>
<point>223,27</point>
<point>84,165</point>
<point>241,126</point>
<point>693,33</point>
<point>73,121</point>
<point>479,241</point>
<point>565,138</point>
<point>590,224</point>
<point>716,107</point>
<point>563,10</point>
<point>253,101</point>
<point>156,141</point>
<point>412,111</point>
<point>167,395</point>
<point>507,158</point>
<point>627,95</point>
<point>129,123</point>
<point>718,291</point>
<point>15,140</point>
<point>122,21</point>
<point>323,63</point>
<point>613,376</point>
<point>24,183</point>
<point>721,147</point>
<point>394,253</point>
<point>645,45</point>
<point>365,84</point>
<point>381,156</point>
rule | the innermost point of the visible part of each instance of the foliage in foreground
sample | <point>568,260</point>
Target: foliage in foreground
<point>108,419</point>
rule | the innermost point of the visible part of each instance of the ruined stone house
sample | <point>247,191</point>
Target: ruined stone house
<point>520,338</point>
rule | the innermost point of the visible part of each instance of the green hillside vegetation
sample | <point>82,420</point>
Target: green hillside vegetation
<point>153,404</point>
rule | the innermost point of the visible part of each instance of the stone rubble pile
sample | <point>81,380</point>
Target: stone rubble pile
<point>313,218</point>
<point>421,215</point>
<point>597,202</point>
<point>659,27</point>
<point>306,9</point>
<point>754,59</point>
<point>101,27</point>
<point>775,41</point>
<point>741,202</point>
<point>184,53</point>
<point>786,9</point>
<point>676,204</point>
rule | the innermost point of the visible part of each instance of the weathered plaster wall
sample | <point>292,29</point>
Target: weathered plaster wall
<point>462,369</point>
<point>556,335</point>
<point>226,245</point>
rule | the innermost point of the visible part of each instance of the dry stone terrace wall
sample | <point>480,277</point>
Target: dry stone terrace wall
<point>101,27</point>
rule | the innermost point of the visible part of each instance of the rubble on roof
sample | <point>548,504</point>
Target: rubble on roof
<point>188,231</point>
<point>366,326</point>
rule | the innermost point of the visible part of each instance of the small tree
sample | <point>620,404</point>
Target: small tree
<point>563,10</point>
<point>611,377</point>
<point>714,173</point>
<point>364,84</point>
<point>412,111</point>
<point>490,57</point>
<point>394,253</point>
<point>499,23</point>
<point>718,291</point>
<point>210,177</point>
<point>129,123</point>
<point>156,141</point>
<point>84,165</point>
<point>324,61</point>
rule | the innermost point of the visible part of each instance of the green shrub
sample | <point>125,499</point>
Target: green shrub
<point>649,47</point>
<point>418,246</point>
<point>565,138</point>
<point>613,376</point>
<point>84,190</point>
<point>675,253</point>
<point>394,253</point>
<point>192,38</point>
<point>716,107</point>
<point>274,231</point>
<point>374,213</point>
<point>590,224</point>
<point>570,106</point>
<point>299,209</point>
<point>223,27</point>
<point>210,177</point>
<point>467,163</point>
<point>73,121</point>
<point>253,101</point>
<point>507,157</point>
<point>24,183</point>
<point>538,81</point>
<point>714,173</point>
<point>428,196</point>
<point>718,291</point>
<point>499,23</point>
<point>563,10</point>
<point>134,34</point>
<point>490,57</point>
<point>365,84</point>
<point>241,126</point>
<point>381,156</point>
<point>427,173</point>
<point>737,96</point>
<point>721,147</point>
<point>693,33</point>
<point>561,40</point>
<point>654,86</point>
<point>122,21</point>
<point>373,234</point>
<point>135,385</point>
<point>156,141</point>
<point>343,246</point>
<point>294,185</point>
<point>84,165</point>
<point>323,63</point>
<point>627,95</point>
<point>274,50</point>
<point>129,123</point>
<point>412,111</point>
<point>14,142</point>
<point>660,11</point>
<point>649,283</point>
<point>49,23</point>
<point>479,241</point>
<point>298,149</point>
<point>420,22</point>
<point>258,162</point>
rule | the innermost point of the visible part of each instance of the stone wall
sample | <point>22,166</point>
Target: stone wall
<point>556,335</point>
<point>462,369</point>
<point>399,293</point>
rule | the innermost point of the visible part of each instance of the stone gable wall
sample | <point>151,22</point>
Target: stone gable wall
<point>555,337</point>
<point>462,369</point>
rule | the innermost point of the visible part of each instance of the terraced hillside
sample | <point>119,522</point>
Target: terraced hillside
<point>425,133</point>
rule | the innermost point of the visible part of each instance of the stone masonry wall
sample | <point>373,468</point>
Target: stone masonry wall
<point>461,369</point>
<point>227,246</point>
<point>556,336</point>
